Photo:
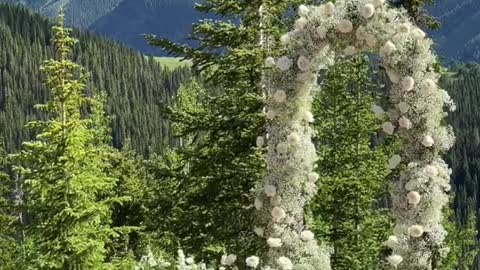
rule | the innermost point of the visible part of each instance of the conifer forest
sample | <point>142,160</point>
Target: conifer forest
<point>239,135</point>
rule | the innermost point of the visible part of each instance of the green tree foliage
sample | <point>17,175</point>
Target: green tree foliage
<point>221,165</point>
<point>137,87</point>
<point>63,173</point>
<point>352,168</point>
<point>8,219</point>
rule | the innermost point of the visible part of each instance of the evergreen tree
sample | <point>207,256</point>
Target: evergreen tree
<point>217,171</point>
<point>63,173</point>
<point>352,168</point>
<point>8,220</point>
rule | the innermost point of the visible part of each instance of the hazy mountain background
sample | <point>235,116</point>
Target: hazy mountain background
<point>124,20</point>
<point>127,20</point>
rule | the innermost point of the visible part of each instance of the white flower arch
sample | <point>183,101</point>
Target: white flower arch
<point>421,182</point>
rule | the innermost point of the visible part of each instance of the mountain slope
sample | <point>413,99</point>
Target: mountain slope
<point>459,36</point>
<point>133,18</point>
<point>124,20</point>
<point>137,87</point>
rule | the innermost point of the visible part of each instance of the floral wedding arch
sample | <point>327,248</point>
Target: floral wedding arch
<point>323,34</point>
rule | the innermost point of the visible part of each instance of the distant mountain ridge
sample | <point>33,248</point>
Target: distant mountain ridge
<point>459,36</point>
<point>124,20</point>
<point>127,20</point>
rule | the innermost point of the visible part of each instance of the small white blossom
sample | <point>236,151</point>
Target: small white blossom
<point>388,128</point>
<point>367,10</point>
<point>260,141</point>
<point>378,111</point>
<point>284,63</point>
<point>274,242</point>
<point>329,8</point>
<point>270,190</point>
<point>418,33</point>
<point>303,63</point>
<point>300,23</point>
<point>404,28</point>
<point>431,171</point>
<point>371,40</point>
<point>388,48</point>
<point>321,32</point>
<point>394,161</point>
<point>307,235</point>
<point>285,39</point>
<point>280,96</point>
<point>282,148</point>
<point>230,259</point>
<point>190,260</point>
<point>313,177</point>
<point>394,259</point>
<point>303,11</point>
<point>293,138</point>
<point>278,213</point>
<point>415,231</point>
<point>275,200</point>
<point>259,231</point>
<point>405,123</point>
<point>429,84</point>
<point>403,107</point>
<point>391,242</point>
<point>349,51</point>
<point>308,117</point>
<point>252,261</point>
<point>345,26</point>
<point>271,114</point>
<point>428,141</point>
<point>393,76</point>
<point>360,33</point>
<point>285,263</point>
<point>413,197</point>
<point>378,3</point>
<point>407,83</point>
<point>269,62</point>
<point>258,203</point>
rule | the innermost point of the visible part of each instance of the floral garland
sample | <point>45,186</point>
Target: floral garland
<point>420,187</point>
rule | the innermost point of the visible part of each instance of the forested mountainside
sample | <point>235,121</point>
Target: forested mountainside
<point>137,87</point>
<point>459,35</point>
<point>463,84</point>
<point>124,20</point>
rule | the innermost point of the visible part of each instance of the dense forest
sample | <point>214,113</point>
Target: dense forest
<point>137,88</point>
<point>111,161</point>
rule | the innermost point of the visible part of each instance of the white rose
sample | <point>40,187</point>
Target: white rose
<point>428,141</point>
<point>274,242</point>
<point>269,62</point>
<point>413,197</point>
<point>405,123</point>
<point>307,236</point>
<point>388,128</point>
<point>394,161</point>
<point>303,63</point>
<point>394,259</point>
<point>252,261</point>
<point>415,231</point>
<point>284,63</point>
<point>280,96</point>
<point>285,263</point>
<point>407,83</point>
<point>345,26</point>
<point>367,10</point>
<point>270,190</point>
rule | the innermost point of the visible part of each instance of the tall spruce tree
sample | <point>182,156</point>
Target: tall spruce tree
<point>8,220</point>
<point>63,172</point>
<point>218,169</point>
<point>352,168</point>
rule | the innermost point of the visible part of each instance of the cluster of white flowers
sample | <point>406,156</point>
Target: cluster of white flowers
<point>419,190</point>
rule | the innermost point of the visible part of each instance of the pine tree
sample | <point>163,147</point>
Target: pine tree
<point>8,220</point>
<point>63,172</point>
<point>352,168</point>
<point>218,170</point>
